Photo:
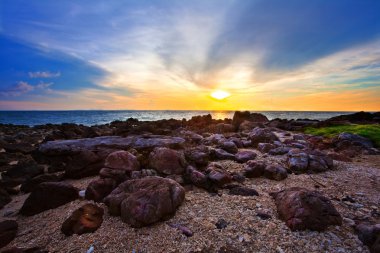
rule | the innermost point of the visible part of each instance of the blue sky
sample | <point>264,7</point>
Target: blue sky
<point>269,55</point>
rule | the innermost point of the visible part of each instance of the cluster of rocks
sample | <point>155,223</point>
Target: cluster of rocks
<point>144,168</point>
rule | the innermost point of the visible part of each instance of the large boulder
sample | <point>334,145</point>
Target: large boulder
<point>198,155</point>
<point>8,231</point>
<point>30,184</point>
<point>348,139</point>
<point>145,201</point>
<point>217,175</point>
<point>262,135</point>
<point>243,156</point>
<point>275,172</point>
<point>167,161</point>
<point>86,219</point>
<point>98,189</point>
<point>302,209</point>
<point>122,160</point>
<point>196,177</point>
<point>229,146</point>
<point>239,117</point>
<point>48,196</point>
<point>302,161</point>
<point>254,169</point>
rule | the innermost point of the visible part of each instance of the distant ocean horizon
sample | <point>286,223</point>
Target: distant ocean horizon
<point>99,117</point>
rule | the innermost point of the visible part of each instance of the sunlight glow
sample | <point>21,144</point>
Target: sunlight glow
<point>220,94</point>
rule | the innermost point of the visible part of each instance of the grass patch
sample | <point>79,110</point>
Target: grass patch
<point>371,132</point>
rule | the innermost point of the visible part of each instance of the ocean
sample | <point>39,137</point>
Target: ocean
<point>98,117</point>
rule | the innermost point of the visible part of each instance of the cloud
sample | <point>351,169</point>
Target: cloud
<point>17,90</point>
<point>44,74</point>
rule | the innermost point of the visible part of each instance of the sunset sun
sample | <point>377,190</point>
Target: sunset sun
<point>220,94</point>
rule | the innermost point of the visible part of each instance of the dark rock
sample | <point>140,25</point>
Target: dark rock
<point>254,169</point>
<point>25,148</point>
<point>196,177</point>
<point>122,160</point>
<point>217,175</point>
<point>221,128</point>
<point>354,139</point>
<point>30,184</point>
<point>115,174</point>
<point>198,155</point>
<point>220,154</point>
<point>239,117</point>
<point>262,135</point>
<point>249,125</point>
<point>238,177</point>
<point>221,223</point>
<point>263,216</point>
<point>98,189</point>
<point>48,196</point>
<point>185,230</point>
<point>298,161</point>
<point>358,117</point>
<point>276,172</point>
<point>229,146</point>
<point>369,235</point>
<point>167,161</point>
<point>243,191</point>
<point>4,198</point>
<point>23,170</point>
<point>8,231</point>
<point>25,250</point>
<point>265,147</point>
<point>319,162</point>
<point>142,202</point>
<point>245,155</point>
<point>86,219</point>
<point>279,151</point>
<point>339,156</point>
<point>303,209</point>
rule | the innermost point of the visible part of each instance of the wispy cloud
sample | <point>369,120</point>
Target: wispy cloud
<point>44,74</point>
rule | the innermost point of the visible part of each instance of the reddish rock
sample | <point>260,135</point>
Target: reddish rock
<point>369,235</point>
<point>8,231</point>
<point>30,184</point>
<point>86,219</point>
<point>298,161</point>
<point>229,146</point>
<point>240,117</point>
<point>98,189</point>
<point>217,175</point>
<point>302,209</point>
<point>122,160</point>
<point>245,155</point>
<point>196,177</point>
<point>145,201</point>
<point>265,147</point>
<point>243,191</point>
<point>167,161</point>
<point>262,135</point>
<point>48,196</point>
<point>198,155</point>
<point>115,174</point>
<point>339,156</point>
<point>220,154</point>
<point>276,172</point>
<point>254,169</point>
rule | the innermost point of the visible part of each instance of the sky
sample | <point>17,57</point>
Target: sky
<point>171,55</point>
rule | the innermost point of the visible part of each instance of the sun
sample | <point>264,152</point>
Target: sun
<point>220,94</point>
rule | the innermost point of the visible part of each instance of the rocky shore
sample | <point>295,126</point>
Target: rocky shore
<point>245,184</point>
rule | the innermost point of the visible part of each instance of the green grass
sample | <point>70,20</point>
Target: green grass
<point>371,132</point>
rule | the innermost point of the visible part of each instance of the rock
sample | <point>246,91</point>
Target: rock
<point>262,135</point>
<point>249,125</point>
<point>298,161</point>
<point>214,139</point>
<point>254,169</point>
<point>190,136</point>
<point>229,146</point>
<point>196,178</point>
<point>122,160</point>
<point>4,198</point>
<point>217,175</point>
<point>319,162</point>
<point>86,219</point>
<point>98,189</point>
<point>145,201</point>
<point>8,231</point>
<point>25,148</point>
<point>303,209</point>
<point>144,173</point>
<point>198,155</point>
<point>239,117</point>
<point>263,216</point>
<point>83,164</point>
<point>245,155</point>
<point>279,151</point>
<point>220,154</point>
<point>23,170</point>
<point>243,191</point>
<point>30,184</point>
<point>48,196</point>
<point>265,147</point>
<point>276,172</point>
<point>115,174</point>
<point>339,156</point>
<point>185,230</point>
<point>369,235</point>
<point>167,161</point>
<point>221,223</point>
<point>353,140</point>
<point>25,250</point>
<point>222,128</point>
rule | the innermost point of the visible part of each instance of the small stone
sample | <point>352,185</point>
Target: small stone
<point>221,223</point>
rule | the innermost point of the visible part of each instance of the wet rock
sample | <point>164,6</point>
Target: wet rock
<point>48,196</point>
<point>145,201</point>
<point>276,172</point>
<point>30,184</point>
<point>243,191</point>
<point>265,147</point>
<point>254,169</point>
<point>122,160</point>
<point>217,175</point>
<point>369,235</point>
<point>8,231</point>
<point>303,209</point>
<point>4,198</point>
<point>298,161</point>
<point>220,154</point>
<point>229,146</point>
<point>221,224</point>
<point>86,219</point>
<point>245,155</point>
<point>262,135</point>
<point>167,161</point>
<point>98,189</point>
